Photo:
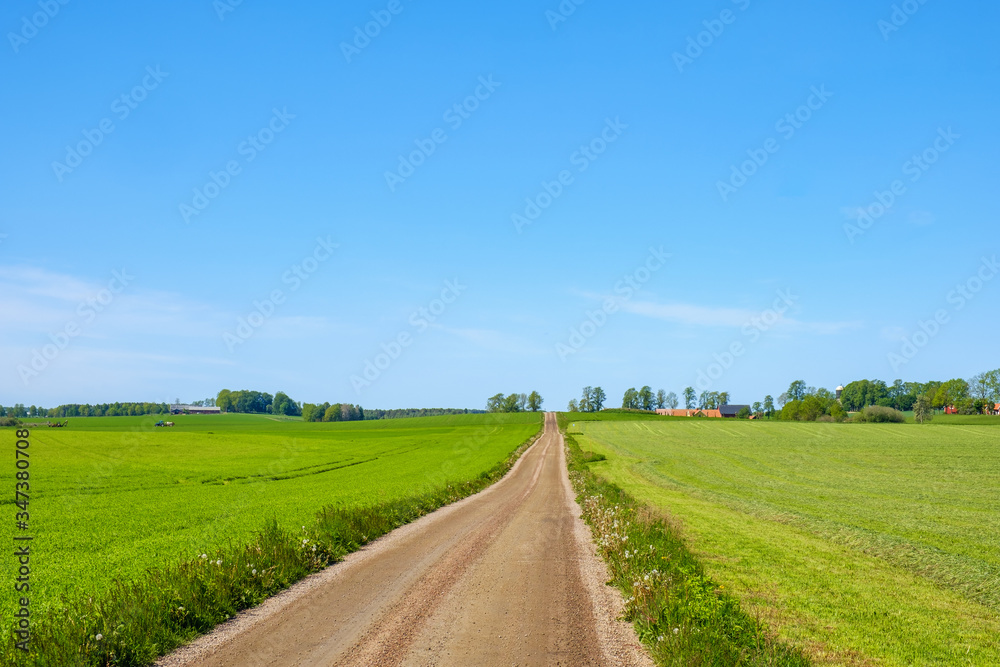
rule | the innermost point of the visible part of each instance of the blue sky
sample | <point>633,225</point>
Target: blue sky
<point>247,159</point>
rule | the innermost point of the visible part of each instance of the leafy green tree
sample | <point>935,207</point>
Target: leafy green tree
<point>689,397</point>
<point>791,411</point>
<point>646,399</point>
<point>796,390</point>
<point>768,406</point>
<point>661,399</point>
<point>992,379</point>
<point>597,398</point>
<point>573,407</point>
<point>672,400</point>
<point>744,413</point>
<point>535,401</point>
<point>495,403</point>
<point>630,401</point>
<point>704,399</point>
<point>283,405</point>
<point>512,403</point>
<point>224,400</point>
<point>585,405</point>
<point>757,409</point>
<point>723,398</point>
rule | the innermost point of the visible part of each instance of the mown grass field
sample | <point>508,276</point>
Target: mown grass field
<point>862,543</point>
<point>111,497</point>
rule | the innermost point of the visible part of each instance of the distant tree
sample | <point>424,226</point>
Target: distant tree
<point>797,390</point>
<point>723,398</point>
<point>495,403</point>
<point>646,399</point>
<point>922,409</point>
<point>744,413</point>
<point>992,379</point>
<point>630,401</point>
<point>672,400</point>
<point>573,407</point>
<point>512,403</point>
<point>585,405</point>
<point>535,401</point>
<point>703,400</point>
<point>283,405</point>
<point>224,400</point>
<point>757,409</point>
<point>689,397</point>
<point>782,399</point>
<point>597,398</point>
<point>979,385</point>
<point>791,411</point>
<point>661,399</point>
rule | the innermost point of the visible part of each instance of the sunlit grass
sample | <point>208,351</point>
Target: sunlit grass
<point>859,542</point>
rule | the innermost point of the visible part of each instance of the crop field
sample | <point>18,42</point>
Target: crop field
<point>111,497</point>
<point>864,544</point>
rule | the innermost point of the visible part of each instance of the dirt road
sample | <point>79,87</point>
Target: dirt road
<point>505,577</point>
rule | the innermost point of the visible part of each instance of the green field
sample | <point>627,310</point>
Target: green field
<point>113,496</point>
<point>862,543</point>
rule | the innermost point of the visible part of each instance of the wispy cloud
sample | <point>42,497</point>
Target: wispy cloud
<point>709,316</point>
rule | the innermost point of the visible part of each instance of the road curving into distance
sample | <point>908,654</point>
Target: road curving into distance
<point>505,577</point>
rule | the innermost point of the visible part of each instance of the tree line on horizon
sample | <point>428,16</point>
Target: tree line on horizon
<point>241,401</point>
<point>515,402</point>
<point>805,403</point>
<point>593,399</point>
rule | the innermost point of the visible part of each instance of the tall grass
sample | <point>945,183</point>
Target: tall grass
<point>136,622</point>
<point>679,613</point>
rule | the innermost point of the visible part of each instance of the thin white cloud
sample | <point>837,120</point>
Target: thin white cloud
<point>693,315</point>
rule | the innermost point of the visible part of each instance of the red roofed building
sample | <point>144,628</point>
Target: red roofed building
<point>689,413</point>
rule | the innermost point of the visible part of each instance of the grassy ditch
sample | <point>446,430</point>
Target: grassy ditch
<point>678,612</point>
<point>136,622</point>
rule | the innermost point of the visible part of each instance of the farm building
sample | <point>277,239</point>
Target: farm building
<point>730,411</point>
<point>178,409</point>
<point>689,413</point>
<point>952,410</point>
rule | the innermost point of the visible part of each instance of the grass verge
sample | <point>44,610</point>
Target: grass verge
<point>678,612</point>
<point>136,622</point>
